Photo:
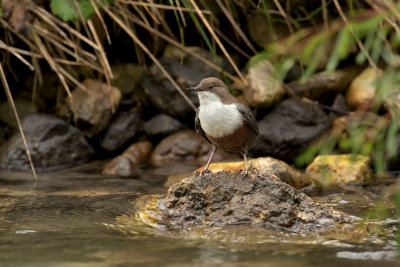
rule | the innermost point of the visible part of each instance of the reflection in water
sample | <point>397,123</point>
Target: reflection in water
<point>83,218</point>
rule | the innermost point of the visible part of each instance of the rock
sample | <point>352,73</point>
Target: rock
<point>121,130</point>
<point>125,163</point>
<point>340,169</point>
<point>264,90</point>
<point>183,145</point>
<point>53,145</point>
<point>161,93</point>
<point>263,166</point>
<point>127,77</point>
<point>24,107</point>
<point>289,128</point>
<point>93,108</point>
<point>325,84</point>
<point>227,198</point>
<point>162,125</point>
<point>363,88</point>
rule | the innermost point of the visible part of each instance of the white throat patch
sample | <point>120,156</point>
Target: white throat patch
<point>217,119</point>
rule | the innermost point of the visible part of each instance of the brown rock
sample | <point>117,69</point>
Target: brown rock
<point>93,108</point>
<point>363,88</point>
<point>263,90</point>
<point>227,198</point>
<point>266,165</point>
<point>125,163</point>
<point>183,145</point>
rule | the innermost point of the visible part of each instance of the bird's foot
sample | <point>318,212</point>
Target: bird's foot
<point>202,173</point>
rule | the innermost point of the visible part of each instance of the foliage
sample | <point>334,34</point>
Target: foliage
<point>66,10</point>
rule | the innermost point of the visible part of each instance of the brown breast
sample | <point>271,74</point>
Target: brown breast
<point>239,141</point>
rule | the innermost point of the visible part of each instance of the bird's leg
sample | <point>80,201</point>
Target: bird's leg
<point>245,163</point>
<point>208,163</point>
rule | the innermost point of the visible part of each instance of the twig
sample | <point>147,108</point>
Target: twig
<point>10,99</point>
<point>215,37</point>
<point>236,26</point>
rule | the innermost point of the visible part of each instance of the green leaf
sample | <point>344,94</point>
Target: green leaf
<point>65,9</point>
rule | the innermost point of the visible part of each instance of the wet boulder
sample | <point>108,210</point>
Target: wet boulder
<point>340,169</point>
<point>125,163</point>
<point>183,145</point>
<point>289,129</point>
<point>93,108</point>
<point>228,198</point>
<point>121,130</point>
<point>53,144</point>
<point>162,125</point>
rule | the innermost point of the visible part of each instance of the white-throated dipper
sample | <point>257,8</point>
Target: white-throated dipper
<point>222,120</point>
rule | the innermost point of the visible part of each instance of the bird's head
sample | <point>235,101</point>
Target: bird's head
<point>211,89</point>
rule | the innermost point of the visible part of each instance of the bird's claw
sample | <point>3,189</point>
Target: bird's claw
<point>202,172</point>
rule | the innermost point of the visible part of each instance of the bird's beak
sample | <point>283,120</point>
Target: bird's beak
<point>194,89</point>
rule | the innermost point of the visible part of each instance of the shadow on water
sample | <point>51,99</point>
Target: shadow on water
<point>82,218</point>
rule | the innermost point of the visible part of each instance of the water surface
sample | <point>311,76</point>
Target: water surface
<point>76,218</point>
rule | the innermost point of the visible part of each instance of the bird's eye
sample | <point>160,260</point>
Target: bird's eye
<point>210,87</point>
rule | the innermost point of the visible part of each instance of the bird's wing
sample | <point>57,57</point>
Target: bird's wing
<point>248,116</point>
<point>198,128</point>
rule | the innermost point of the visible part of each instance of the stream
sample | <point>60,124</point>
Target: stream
<point>82,218</point>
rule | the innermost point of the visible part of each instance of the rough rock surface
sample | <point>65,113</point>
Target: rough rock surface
<point>162,125</point>
<point>266,165</point>
<point>289,128</point>
<point>53,144</point>
<point>230,198</point>
<point>93,108</point>
<point>183,145</point>
<point>121,130</point>
<point>125,163</point>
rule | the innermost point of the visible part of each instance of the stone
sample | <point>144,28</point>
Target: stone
<point>227,198</point>
<point>340,169</point>
<point>363,88</point>
<point>126,163</point>
<point>53,145</point>
<point>162,125</point>
<point>325,84</point>
<point>183,145</point>
<point>264,90</point>
<point>94,108</point>
<point>24,107</point>
<point>127,77</point>
<point>121,130</point>
<point>259,32</point>
<point>288,129</point>
<point>265,165</point>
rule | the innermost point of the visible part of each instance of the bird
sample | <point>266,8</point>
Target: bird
<point>223,121</point>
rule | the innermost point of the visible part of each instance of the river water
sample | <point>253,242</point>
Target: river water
<point>83,218</point>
